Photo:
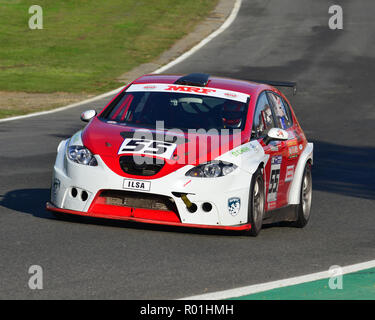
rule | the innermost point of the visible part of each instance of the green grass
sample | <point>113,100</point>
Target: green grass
<point>355,286</point>
<point>11,113</point>
<point>86,44</point>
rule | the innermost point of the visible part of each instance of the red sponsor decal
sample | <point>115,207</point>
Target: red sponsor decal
<point>189,89</point>
<point>289,173</point>
<point>293,151</point>
<point>185,184</point>
<point>272,205</point>
<point>292,142</point>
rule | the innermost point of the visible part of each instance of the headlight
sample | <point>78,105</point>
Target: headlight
<point>212,169</point>
<point>81,155</point>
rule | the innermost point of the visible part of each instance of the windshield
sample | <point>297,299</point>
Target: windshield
<point>177,110</point>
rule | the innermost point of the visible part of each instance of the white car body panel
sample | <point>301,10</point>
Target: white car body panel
<point>295,188</point>
<point>217,191</point>
<point>247,157</point>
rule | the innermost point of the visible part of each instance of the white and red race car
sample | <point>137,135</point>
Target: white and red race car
<point>194,151</point>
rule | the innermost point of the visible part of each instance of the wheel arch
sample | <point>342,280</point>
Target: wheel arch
<point>262,167</point>
<point>295,188</point>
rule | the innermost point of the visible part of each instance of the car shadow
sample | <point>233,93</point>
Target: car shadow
<point>33,201</point>
<point>345,170</point>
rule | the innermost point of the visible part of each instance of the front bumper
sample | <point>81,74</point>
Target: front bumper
<point>93,180</point>
<point>244,227</point>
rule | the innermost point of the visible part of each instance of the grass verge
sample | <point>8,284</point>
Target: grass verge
<point>86,44</point>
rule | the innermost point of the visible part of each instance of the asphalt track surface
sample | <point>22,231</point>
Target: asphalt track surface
<point>279,40</point>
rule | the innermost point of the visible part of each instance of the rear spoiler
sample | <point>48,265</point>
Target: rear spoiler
<point>280,84</point>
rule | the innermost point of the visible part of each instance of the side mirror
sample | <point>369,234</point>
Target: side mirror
<point>88,115</point>
<point>276,134</point>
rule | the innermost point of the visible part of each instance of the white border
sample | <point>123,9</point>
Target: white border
<point>244,291</point>
<point>237,292</point>
<point>184,56</point>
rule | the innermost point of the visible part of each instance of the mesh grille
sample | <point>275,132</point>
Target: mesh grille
<point>139,200</point>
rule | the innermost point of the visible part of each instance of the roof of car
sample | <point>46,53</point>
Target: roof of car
<point>248,87</point>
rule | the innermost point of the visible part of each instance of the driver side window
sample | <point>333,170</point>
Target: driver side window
<point>283,118</point>
<point>263,119</point>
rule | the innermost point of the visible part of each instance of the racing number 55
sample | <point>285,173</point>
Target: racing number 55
<point>145,146</point>
<point>274,179</point>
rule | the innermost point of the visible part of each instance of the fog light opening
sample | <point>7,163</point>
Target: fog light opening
<point>192,208</point>
<point>74,192</point>
<point>84,195</point>
<point>207,207</point>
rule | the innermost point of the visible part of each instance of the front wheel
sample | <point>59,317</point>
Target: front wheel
<point>304,207</point>
<point>256,203</point>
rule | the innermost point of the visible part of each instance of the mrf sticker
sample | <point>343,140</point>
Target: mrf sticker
<point>274,178</point>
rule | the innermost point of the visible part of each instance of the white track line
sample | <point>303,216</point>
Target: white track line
<point>243,291</point>
<point>184,56</point>
<point>41,113</point>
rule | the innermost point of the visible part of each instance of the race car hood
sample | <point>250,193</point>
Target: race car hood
<point>112,141</point>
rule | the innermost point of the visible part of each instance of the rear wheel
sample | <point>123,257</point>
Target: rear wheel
<point>304,207</point>
<point>256,203</point>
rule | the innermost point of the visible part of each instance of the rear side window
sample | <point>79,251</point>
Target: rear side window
<point>263,120</point>
<point>281,111</point>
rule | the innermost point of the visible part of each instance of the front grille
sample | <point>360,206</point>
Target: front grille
<point>141,166</point>
<point>138,200</point>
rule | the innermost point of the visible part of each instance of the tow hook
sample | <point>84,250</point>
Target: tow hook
<point>192,207</point>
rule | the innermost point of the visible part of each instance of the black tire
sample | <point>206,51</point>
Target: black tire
<point>305,200</point>
<point>256,203</point>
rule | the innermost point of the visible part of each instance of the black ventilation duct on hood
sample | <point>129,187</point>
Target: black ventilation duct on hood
<point>139,166</point>
<point>194,79</point>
